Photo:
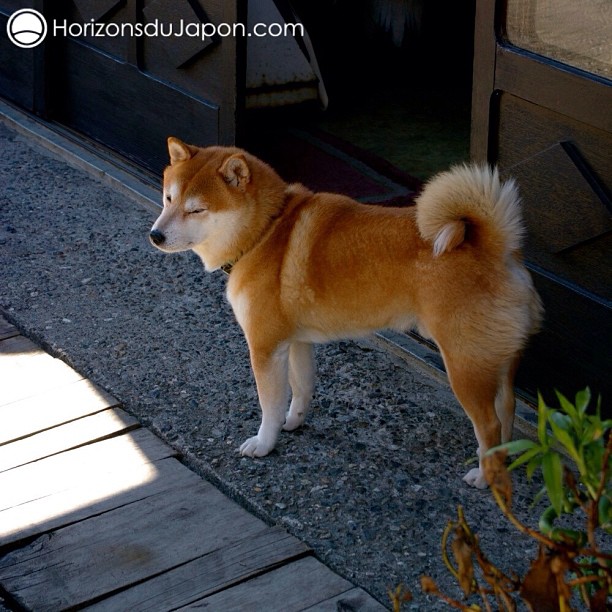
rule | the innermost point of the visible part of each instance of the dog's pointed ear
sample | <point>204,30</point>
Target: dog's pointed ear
<point>179,151</point>
<point>236,172</point>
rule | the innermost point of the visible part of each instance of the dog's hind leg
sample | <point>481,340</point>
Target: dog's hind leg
<point>476,390</point>
<point>504,400</point>
<point>271,375</point>
<point>302,382</point>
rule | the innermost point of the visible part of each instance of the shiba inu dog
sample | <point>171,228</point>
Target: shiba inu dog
<point>313,267</point>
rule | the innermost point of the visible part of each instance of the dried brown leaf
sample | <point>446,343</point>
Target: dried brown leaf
<point>399,596</point>
<point>462,550</point>
<point>539,588</point>
<point>428,585</point>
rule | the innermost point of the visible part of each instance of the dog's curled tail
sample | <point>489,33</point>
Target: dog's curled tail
<point>469,203</point>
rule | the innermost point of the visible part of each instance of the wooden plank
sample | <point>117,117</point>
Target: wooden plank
<point>103,493</point>
<point>140,137</point>
<point>214,572</point>
<point>67,437</point>
<point>292,587</point>
<point>26,370</point>
<point>355,599</point>
<point>57,406</point>
<point>7,330</point>
<point>565,91</point>
<point>84,464</point>
<point>90,559</point>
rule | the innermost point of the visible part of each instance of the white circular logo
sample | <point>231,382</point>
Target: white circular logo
<point>26,28</point>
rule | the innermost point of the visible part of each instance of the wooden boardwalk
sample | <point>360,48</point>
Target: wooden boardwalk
<point>97,513</point>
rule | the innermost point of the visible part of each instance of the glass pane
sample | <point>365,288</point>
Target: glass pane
<point>575,32</point>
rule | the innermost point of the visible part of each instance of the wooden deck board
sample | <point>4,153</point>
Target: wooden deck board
<point>60,439</point>
<point>290,588</point>
<point>92,558</point>
<point>57,406</point>
<point>85,464</point>
<point>355,599</point>
<point>97,512</point>
<point>214,572</point>
<point>26,370</point>
<point>90,498</point>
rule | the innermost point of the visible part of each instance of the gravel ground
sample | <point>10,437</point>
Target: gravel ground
<point>369,482</point>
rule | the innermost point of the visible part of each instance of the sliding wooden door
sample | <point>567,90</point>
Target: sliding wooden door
<point>542,110</point>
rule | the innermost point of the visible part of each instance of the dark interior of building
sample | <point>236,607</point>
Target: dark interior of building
<point>401,92</point>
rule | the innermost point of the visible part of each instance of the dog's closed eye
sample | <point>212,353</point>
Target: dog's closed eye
<point>195,206</point>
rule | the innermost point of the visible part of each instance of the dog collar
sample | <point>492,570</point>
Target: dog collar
<point>227,267</point>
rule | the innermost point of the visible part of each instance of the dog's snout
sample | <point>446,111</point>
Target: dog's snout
<point>157,237</point>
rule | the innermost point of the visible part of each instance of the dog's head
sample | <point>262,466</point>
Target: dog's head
<point>215,200</point>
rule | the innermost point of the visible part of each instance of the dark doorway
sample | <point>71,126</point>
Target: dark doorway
<point>398,92</point>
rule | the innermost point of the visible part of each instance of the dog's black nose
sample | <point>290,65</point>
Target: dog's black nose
<point>156,237</point>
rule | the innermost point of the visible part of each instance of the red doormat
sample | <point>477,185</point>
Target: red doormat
<point>324,162</point>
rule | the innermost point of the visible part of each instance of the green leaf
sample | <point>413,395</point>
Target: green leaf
<point>561,426</point>
<point>569,536</point>
<point>542,419</point>
<point>534,452</point>
<point>533,464</point>
<point>566,405</point>
<point>583,399</point>
<point>562,421</point>
<point>590,471</point>
<point>593,431</point>
<point>547,519</point>
<point>537,498</point>
<point>552,470</point>
<point>607,424</point>
<point>560,534</point>
<point>605,513</point>
<point>516,446</point>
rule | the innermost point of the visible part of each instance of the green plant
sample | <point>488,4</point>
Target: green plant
<point>569,559</point>
<point>583,437</point>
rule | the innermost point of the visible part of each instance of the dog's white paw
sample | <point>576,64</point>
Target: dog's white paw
<point>294,421</point>
<point>476,478</point>
<point>255,447</point>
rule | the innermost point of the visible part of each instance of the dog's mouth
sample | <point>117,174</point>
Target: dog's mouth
<point>160,241</point>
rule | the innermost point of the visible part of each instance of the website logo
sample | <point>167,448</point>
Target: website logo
<point>26,28</point>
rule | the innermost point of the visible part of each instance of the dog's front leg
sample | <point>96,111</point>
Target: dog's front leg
<point>302,381</point>
<point>271,375</point>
